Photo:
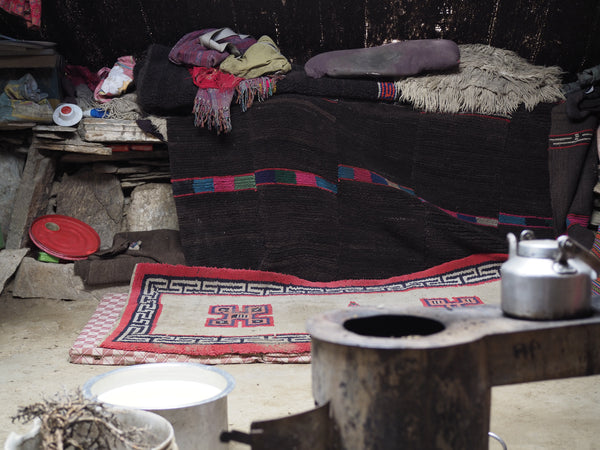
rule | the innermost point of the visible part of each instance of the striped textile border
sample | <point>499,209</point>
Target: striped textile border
<point>387,90</point>
<point>577,219</point>
<point>271,176</point>
<point>596,252</point>
<point>569,140</point>
<point>250,181</point>
<point>367,176</point>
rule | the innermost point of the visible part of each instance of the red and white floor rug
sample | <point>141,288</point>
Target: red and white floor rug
<point>226,316</point>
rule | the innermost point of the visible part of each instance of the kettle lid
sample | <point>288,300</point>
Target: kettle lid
<point>538,248</point>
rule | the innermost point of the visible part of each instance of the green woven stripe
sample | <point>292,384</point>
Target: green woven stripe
<point>245,182</point>
<point>285,176</point>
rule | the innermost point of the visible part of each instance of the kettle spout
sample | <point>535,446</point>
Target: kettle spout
<point>512,244</point>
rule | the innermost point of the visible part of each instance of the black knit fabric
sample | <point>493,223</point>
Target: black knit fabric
<point>163,88</point>
<point>297,82</point>
<point>441,165</point>
<point>572,153</point>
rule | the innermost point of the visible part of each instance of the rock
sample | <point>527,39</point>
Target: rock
<point>11,168</point>
<point>35,279</point>
<point>31,197</point>
<point>152,208</point>
<point>9,262</point>
<point>93,198</point>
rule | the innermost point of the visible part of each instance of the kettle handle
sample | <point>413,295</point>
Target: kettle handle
<point>513,243</point>
<point>574,249</point>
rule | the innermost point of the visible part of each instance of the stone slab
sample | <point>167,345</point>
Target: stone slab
<point>9,262</point>
<point>35,279</point>
<point>94,198</point>
<point>31,197</point>
<point>152,207</point>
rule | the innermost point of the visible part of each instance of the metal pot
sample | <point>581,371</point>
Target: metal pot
<point>545,279</point>
<point>179,392</point>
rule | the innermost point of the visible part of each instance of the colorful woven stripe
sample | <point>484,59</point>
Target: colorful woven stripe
<point>288,177</point>
<point>569,140</point>
<point>387,90</point>
<point>577,219</point>
<point>477,220</point>
<point>596,252</point>
<point>525,221</point>
<point>250,181</point>
<point>367,176</point>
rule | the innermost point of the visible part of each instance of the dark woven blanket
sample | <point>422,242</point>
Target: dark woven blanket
<point>298,82</point>
<point>331,190</point>
<point>573,162</point>
<point>164,88</point>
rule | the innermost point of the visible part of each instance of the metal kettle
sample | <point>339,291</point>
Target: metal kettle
<point>545,279</point>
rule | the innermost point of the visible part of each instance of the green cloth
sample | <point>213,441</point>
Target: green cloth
<point>261,58</point>
<point>45,257</point>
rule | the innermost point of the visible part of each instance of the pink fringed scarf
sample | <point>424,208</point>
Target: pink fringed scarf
<point>216,90</point>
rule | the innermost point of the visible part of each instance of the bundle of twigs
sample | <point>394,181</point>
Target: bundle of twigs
<point>70,421</point>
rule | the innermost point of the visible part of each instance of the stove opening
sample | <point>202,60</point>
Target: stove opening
<point>393,326</point>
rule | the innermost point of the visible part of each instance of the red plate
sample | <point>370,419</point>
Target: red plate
<point>64,237</point>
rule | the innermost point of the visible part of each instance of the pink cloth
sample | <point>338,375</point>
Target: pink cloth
<point>207,78</point>
<point>114,82</point>
<point>213,99</point>
<point>82,75</point>
<point>30,10</point>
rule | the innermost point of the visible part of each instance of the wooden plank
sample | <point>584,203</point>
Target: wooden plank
<point>146,176</point>
<point>148,157</point>
<point>29,61</point>
<point>74,145</point>
<point>112,130</point>
<point>51,136</point>
<point>55,128</point>
<point>16,125</point>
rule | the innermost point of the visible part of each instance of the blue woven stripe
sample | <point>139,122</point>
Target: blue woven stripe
<point>324,184</point>
<point>525,221</point>
<point>203,185</point>
<point>345,172</point>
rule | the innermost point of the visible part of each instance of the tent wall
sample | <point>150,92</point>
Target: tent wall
<point>546,32</point>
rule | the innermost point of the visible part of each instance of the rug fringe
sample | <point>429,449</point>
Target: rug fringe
<point>489,80</point>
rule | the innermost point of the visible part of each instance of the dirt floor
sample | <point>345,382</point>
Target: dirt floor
<point>36,334</point>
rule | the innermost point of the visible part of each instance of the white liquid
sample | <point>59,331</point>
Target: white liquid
<point>159,394</point>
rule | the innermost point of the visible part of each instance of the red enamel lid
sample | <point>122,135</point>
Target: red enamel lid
<point>64,237</point>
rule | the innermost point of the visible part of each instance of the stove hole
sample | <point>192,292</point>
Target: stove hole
<point>393,326</point>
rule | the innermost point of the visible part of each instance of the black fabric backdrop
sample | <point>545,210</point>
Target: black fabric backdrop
<point>96,33</point>
<point>476,165</point>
